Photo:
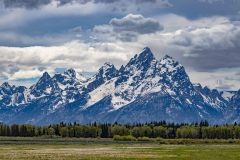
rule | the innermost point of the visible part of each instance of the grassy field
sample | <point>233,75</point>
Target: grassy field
<point>72,149</point>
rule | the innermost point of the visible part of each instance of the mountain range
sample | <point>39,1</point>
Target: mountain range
<point>144,90</point>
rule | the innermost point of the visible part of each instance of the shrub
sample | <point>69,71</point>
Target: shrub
<point>124,138</point>
<point>144,139</point>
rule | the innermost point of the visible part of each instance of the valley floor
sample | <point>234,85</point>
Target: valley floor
<point>73,149</point>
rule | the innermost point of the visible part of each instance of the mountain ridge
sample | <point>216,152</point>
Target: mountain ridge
<point>144,90</point>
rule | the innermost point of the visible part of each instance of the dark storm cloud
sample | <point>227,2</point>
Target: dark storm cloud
<point>136,1</point>
<point>136,23</point>
<point>210,48</point>
<point>128,28</point>
<point>194,9</point>
<point>25,3</point>
<point>191,9</point>
<point>32,4</point>
<point>210,60</point>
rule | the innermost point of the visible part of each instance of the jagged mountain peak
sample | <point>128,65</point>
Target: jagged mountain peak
<point>166,56</point>
<point>147,48</point>
<point>44,80</point>
<point>146,52</point>
<point>45,86</point>
<point>107,71</point>
<point>45,76</point>
<point>20,89</point>
<point>140,61</point>
<point>206,88</point>
<point>168,60</point>
<point>197,85</point>
<point>70,76</point>
<point>236,95</point>
<point>171,64</point>
<point>238,92</point>
<point>71,73</point>
<point>145,55</point>
<point>6,85</point>
<point>107,65</point>
<point>6,88</point>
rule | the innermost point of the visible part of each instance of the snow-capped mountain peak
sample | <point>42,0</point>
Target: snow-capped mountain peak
<point>81,77</point>
<point>71,73</point>
<point>108,65</point>
<point>6,88</point>
<point>236,95</point>
<point>169,63</point>
<point>69,77</point>
<point>138,65</point>
<point>6,85</point>
<point>44,80</point>
<point>44,86</point>
<point>146,54</point>
<point>141,60</point>
<point>167,57</point>
<point>107,71</point>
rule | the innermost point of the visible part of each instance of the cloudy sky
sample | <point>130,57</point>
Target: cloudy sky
<point>51,35</point>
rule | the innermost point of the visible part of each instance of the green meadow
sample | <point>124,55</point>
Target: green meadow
<point>77,148</point>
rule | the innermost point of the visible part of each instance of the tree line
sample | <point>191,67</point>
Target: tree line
<point>152,130</point>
